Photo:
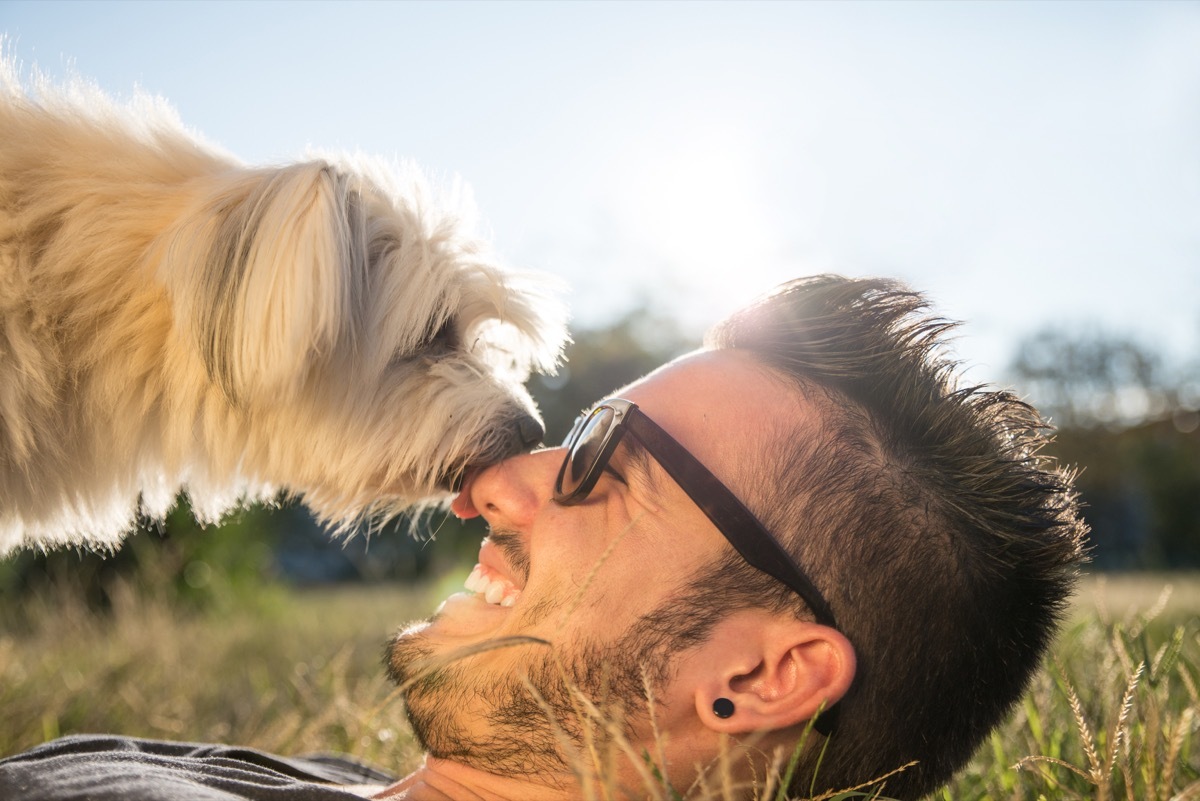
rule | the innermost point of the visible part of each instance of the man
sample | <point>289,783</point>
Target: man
<point>801,540</point>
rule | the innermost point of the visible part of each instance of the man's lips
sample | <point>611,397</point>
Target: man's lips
<point>492,579</point>
<point>492,559</point>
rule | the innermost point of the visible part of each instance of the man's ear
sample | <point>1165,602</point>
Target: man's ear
<point>777,672</point>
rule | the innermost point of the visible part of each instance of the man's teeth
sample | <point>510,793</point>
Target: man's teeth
<point>494,593</point>
<point>494,590</point>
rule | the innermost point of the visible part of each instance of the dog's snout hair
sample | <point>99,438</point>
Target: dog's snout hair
<point>172,319</point>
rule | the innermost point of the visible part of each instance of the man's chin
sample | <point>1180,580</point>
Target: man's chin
<point>422,649</point>
<point>496,715</point>
<point>420,655</point>
<point>464,618</point>
<point>405,653</point>
<point>448,709</point>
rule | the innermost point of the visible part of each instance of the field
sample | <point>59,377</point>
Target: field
<point>1114,715</point>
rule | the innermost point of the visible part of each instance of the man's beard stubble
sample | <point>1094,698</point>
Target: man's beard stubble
<point>532,721</point>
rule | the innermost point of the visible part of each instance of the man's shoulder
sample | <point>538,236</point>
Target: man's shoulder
<point>102,767</point>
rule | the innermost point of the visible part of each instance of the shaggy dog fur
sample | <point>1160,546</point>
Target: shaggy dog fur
<point>171,318</point>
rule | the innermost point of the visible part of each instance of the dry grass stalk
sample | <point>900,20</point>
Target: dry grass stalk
<point>299,673</point>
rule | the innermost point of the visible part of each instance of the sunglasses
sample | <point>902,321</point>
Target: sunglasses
<point>592,443</point>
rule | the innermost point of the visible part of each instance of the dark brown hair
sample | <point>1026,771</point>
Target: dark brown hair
<point>945,542</point>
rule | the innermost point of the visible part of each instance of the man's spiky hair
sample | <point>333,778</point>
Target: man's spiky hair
<point>946,543</point>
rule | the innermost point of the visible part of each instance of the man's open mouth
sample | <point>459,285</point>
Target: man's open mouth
<point>492,587</point>
<point>493,580</point>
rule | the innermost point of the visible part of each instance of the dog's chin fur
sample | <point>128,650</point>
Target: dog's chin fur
<point>170,318</point>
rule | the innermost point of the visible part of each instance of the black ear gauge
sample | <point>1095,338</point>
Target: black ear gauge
<point>723,708</point>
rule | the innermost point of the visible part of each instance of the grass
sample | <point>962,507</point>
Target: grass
<point>292,672</point>
<point>1114,715</point>
<point>1115,712</point>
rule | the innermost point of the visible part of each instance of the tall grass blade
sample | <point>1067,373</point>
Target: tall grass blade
<point>1081,725</point>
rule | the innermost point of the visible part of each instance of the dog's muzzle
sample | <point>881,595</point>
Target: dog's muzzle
<point>525,433</point>
<point>530,431</point>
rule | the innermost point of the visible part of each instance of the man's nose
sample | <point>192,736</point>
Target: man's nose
<point>510,493</point>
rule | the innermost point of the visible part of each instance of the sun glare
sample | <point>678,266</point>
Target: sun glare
<point>698,212</point>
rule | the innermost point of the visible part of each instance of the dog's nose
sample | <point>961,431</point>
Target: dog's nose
<point>530,430</point>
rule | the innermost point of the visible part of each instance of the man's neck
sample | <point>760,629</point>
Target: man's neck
<point>443,780</point>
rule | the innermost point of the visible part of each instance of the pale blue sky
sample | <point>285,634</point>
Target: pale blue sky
<point>1024,163</point>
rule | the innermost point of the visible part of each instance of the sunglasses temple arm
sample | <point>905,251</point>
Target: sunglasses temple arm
<point>731,517</point>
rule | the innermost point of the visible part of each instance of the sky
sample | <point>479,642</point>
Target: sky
<point>1024,164</point>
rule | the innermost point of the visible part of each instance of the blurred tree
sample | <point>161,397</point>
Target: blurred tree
<point>173,559</point>
<point>1141,490</point>
<point>1129,423</point>
<point>1083,379</point>
<point>602,360</point>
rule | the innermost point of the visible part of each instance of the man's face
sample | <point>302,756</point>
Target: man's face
<point>587,578</point>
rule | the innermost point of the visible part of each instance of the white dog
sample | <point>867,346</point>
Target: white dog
<point>172,318</point>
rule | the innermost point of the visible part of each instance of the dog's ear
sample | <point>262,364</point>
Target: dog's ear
<point>264,273</point>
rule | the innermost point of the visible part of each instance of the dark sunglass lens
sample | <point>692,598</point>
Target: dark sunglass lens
<point>576,427</point>
<point>586,448</point>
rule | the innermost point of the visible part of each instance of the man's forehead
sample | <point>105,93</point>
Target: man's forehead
<point>722,405</point>
<point>709,384</point>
